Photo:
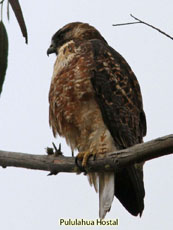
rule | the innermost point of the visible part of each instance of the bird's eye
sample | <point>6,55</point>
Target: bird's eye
<point>61,36</point>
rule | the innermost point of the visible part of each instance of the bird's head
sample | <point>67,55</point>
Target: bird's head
<point>75,31</point>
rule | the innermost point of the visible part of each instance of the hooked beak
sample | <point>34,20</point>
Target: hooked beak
<point>51,50</point>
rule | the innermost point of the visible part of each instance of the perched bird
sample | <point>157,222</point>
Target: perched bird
<point>96,104</point>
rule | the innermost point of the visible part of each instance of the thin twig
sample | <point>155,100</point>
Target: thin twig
<point>8,11</point>
<point>127,23</point>
<point>147,24</point>
<point>160,31</point>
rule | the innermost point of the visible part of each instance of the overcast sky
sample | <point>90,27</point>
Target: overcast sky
<point>31,200</point>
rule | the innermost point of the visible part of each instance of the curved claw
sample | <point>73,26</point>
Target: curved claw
<point>94,157</point>
<point>84,157</point>
<point>79,166</point>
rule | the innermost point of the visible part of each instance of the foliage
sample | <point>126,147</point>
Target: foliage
<point>3,53</point>
<point>4,36</point>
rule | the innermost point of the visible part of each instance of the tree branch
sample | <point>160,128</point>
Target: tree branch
<point>142,22</point>
<point>116,160</point>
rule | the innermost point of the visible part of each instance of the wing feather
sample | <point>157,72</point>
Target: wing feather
<point>118,94</point>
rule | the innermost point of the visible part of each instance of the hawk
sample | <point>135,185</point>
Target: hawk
<point>96,104</point>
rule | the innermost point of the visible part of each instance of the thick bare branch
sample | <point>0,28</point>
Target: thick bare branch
<point>138,153</point>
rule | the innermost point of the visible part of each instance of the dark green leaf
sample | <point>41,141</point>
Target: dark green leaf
<point>3,53</point>
<point>19,15</point>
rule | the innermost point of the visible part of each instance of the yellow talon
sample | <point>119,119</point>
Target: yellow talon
<point>84,156</point>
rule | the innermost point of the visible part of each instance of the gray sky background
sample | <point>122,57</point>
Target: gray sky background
<point>31,200</point>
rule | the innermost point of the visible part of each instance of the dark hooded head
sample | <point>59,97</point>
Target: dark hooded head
<point>75,31</point>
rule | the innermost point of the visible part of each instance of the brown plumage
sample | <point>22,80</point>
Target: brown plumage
<point>96,104</point>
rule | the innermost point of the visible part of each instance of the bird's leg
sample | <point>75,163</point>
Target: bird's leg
<point>84,157</point>
<point>81,168</point>
<point>93,151</point>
